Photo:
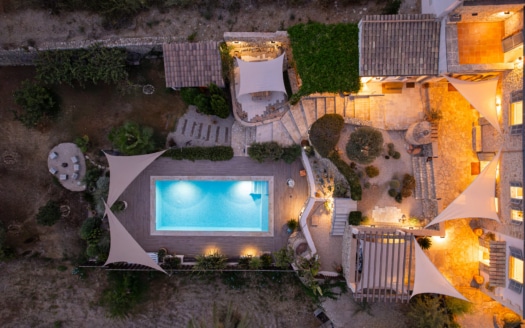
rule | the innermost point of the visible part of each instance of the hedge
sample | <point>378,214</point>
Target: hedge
<point>349,174</point>
<point>218,153</point>
<point>262,151</point>
<point>355,218</point>
<point>325,133</point>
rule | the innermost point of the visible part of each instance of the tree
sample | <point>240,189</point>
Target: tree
<point>219,106</point>
<point>132,139</point>
<point>427,312</point>
<point>37,102</point>
<point>365,145</point>
<point>48,214</point>
<point>325,133</point>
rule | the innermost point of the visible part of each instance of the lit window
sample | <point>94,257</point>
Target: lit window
<point>516,215</point>
<point>516,113</point>
<point>484,255</point>
<point>516,192</point>
<point>516,269</point>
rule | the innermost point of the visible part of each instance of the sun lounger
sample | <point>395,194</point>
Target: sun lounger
<point>76,167</point>
<point>52,170</point>
<point>154,256</point>
<point>75,176</point>
<point>53,155</point>
<point>63,177</point>
<point>74,159</point>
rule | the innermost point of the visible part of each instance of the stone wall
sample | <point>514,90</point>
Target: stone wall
<point>492,13</point>
<point>514,23</point>
<point>27,55</point>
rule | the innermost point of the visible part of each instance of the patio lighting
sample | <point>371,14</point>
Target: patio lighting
<point>210,250</point>
<point>498,105</point>
<point>249,251</point>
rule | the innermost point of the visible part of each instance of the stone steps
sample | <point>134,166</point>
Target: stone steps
<point>338,225</point>
<point>289,123</point>
<point>300,120</point>
<point>280,134</point>
<point>424,176</point>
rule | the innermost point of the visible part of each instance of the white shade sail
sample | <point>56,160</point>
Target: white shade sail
<point>477,201</point>
<point>124,169</point>
<point>123,247</point>
<point>261,76</point>
<point>428,279</point>
<point>482,95</point>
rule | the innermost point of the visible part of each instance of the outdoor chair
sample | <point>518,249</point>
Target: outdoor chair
<point>154,256</point>
<point>75,176</point>
<point>63,177</point>
<point>53,171</point>
<point>53,155</point>
<point>76,167</point>
<point>74,159</point>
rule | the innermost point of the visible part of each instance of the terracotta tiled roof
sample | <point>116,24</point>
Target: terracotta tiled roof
<point>392,45</point>
<point>192,64</point>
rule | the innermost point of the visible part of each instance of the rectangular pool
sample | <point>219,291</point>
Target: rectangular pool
<point>212,206</point>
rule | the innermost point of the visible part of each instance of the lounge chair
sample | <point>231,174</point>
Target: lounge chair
<point>154,256</point>
<point>74,159</point>
<point>63,177</point>
<point>52,170</point>
<point>76,167</point>
<point>75,176</point>
<point>53,155</point>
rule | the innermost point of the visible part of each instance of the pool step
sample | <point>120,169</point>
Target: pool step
<point>260,188</point>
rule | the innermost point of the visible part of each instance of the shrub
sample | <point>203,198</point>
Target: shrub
<point>218,153</point>
<point>284,257</point>
<point>456,307</point>
<point>125,290</point>
<point>325,133</point>
<point>219,106</point>
<point>424,242</point>
<point>94,64</point>
<point>292,225</point>
<point>203,104</point>
<point>392,7</point>
<point>273,151</point>
<point>397,155</point>
<point>395,184</point>
<point>355,218</point>
<point>266,260</point>
<point>350,175</point>
<point>405,193</point>
<point>132,139</point>
<point>291,153</point>
<point>188,95</point>
<point>82,143</point>
<point>48,214</point>
<point>37,102</point>
<point>372,171</point>
<point>215,261</point>
<point>399,198</point>
<point>316,47</point>
<point>365,145</point>
<point>392,192</point>
<point>255,263</point>
<point>427,312</point>
<point>409,182</point>
<point>171,263</point>
<point>92,250</point>
<point>88,226</point>
<point>244,262</point>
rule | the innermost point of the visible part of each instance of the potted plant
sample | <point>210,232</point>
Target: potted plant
<point>292,225</point>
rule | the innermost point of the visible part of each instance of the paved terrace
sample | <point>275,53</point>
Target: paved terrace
<point>287,204</point>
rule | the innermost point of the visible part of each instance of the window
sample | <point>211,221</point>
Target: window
<point>516,269</point>
<point>516,193</point>
<point>516,215</point>
<point>516,113</point>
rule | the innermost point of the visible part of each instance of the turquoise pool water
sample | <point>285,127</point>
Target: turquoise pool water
<point>202,205</point>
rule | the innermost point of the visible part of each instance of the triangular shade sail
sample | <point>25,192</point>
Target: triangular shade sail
<point>261,76</point>
<point>428,279</point>
<point>482,95</point>
<point>477,201</point>
<point>123,247</point>
<point>124,169</point>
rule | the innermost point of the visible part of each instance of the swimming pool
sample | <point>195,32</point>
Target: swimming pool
<point>212,206</point>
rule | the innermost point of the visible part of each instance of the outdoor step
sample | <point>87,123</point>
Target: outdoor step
<point>330,105</point>
<point>290,126</point>
<point>309,110</point>
<point>340,104</point>
<point>338,225</point>
<point>321,107</point>
<point>281,135</point>
<point>300,121</point>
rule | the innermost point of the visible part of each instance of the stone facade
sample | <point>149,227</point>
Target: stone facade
<point>494,13</point>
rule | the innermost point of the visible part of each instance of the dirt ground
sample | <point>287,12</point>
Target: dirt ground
<point>35,293</point>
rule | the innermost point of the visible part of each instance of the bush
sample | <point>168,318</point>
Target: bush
<point>325,133</point>
<point>92,251</point>
<point>94,64</point>
<point>424,242</point>
<point>82,143</point>
<point>350,175</point>
<point>456,307</point>
<point>284,257</point>
<point>132,139</point>
<point>427,312</point>
<point>399,198</point>
<point>215,261</point>
<point>395,184</point>
<point>218,153</point>
<point>38,103</point>
<point>405,193</point>
<point>255,263</point>
<point>273,151</point>
<point>392,7</point>
<point>88,226</point>
<point>372,171</point>
<point>409,183</point>
<point>291,153</point>
<point>397,155</point>
<point>171,263</point>
<point>203,104</point>
<point>48,214</point>
<point>392,192</point>
<point>365,145</point>
<point>355,218</point>
<point>266,260</point>
<point>219,106</point>
<point>292,225</point>
<point>188,95</point>
<point>124,292</point>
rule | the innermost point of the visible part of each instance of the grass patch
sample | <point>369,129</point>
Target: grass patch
<point>326,57</point>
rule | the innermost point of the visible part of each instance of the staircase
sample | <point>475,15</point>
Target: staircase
<point>295,124</point>
<point>338,224</point>
<point>342,207</point>
<point>424,175</point>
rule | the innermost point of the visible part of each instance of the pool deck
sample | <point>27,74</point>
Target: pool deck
<point>287,204</point>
